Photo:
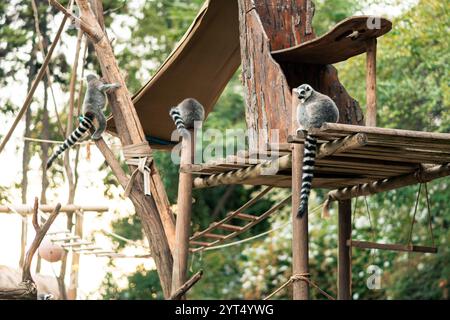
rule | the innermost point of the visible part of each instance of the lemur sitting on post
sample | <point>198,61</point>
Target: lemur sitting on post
<point>186,113</point>
<point>94,102</point>
<point>314,110</point>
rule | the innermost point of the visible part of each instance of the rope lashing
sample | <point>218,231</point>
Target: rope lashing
<point>139,155</point>
<point>300,277</point>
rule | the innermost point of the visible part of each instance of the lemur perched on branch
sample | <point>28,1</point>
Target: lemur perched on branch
<point>314,110</point>
<point>94,102</point>
<point>186,113</point>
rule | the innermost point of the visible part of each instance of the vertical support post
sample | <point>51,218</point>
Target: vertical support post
<point>184,212</point>
<point>344,251</point>
<point>300,241</point>
<point>371,83</point>
<point>23,239</point>
<point>73,284</point>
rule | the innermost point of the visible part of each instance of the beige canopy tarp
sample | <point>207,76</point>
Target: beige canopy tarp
<point>199,67</point>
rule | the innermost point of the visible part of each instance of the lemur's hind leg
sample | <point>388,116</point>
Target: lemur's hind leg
<point>101,126</point>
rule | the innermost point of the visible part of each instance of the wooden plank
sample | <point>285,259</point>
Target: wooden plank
<point>336,45</point>
<point>391,247</point>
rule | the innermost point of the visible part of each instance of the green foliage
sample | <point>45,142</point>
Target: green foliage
<point>330,12</point>
<point>142,285</point>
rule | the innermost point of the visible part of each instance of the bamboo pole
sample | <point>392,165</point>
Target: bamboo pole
<point>184,213</point>
<point>371,83</point>
<point>344,252</point>
<point>300,241</point>
<point>367,189</point>
<point>34,86</point>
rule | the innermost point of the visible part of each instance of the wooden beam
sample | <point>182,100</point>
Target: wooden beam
<point>75,266</point>
<point>153,210</point>
<point>371,83</point>
<point>344,252</point>
<point>367,189</point>
<point>27,209</point>
<point>184,213</point>
<point>391,247</point>
<point>300,241</point>
<point>382,132</point>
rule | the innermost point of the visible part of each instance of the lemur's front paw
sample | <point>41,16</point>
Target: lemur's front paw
<point>96,136</point>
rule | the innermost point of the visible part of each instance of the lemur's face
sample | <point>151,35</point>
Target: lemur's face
<point>90,77</point>
<point>304,92</point>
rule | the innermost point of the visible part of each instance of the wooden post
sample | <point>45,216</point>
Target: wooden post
<point>184,211</point>
<point>344,251</point>
<point>300,239</point>
<point>371,83</point>
<point>23,239</point>
<point>73,284</point>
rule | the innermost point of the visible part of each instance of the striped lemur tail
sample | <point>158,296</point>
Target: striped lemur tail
<point>176,116</point>
<point>85,124</point>
<point>309,159</point>
<point>186,113</point>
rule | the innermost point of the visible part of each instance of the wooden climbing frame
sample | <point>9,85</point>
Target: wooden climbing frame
<point>234,230</point>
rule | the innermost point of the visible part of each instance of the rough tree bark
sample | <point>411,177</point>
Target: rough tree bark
<point>265,26</point>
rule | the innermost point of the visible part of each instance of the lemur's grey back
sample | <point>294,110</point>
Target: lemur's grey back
<point>191,110</point>
<point>316,110</point>
<point>186,113</point>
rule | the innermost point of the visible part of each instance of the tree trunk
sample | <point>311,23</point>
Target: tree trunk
<point>26,151</point>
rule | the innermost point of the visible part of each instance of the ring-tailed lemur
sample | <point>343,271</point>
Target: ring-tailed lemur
<point>314,110</point>
<point>186,113</point>
<point>94,102</point>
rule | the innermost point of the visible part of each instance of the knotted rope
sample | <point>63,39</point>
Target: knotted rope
<point>139,155</point>
<point>300,277</point>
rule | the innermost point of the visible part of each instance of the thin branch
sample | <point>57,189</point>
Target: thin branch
<point>40,234</point>
<point>185,287</point>
<point>47,70</point>
<point>39,77</point>
<point>27,290</point>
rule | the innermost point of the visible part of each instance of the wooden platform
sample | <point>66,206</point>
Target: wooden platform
<point>347,39</point>
<point>380,154</point>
